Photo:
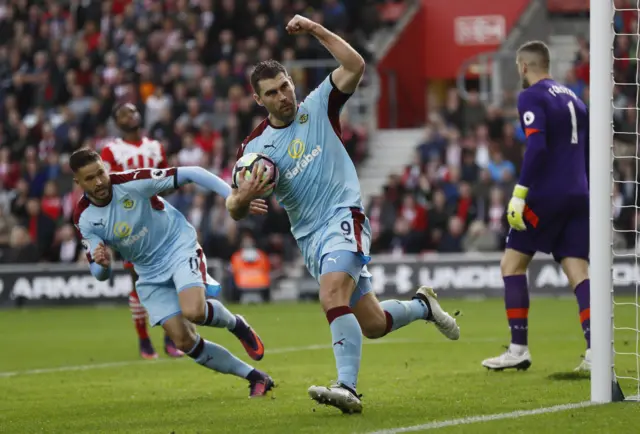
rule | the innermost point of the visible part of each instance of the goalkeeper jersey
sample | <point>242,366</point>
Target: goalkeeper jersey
<point>556,124</point>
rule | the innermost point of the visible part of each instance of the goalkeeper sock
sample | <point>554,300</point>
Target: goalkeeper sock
<point>346,337</point>
<point>516,300</point>
<point>583,297</point>
<point>401,313</point>
<point>218,358</point>
<point>216,315</point>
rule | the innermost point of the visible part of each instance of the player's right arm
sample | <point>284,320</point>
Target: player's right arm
<point>97,255</point>
<point>534,122</point>
<point>348,75</point>
<point>245,199</point>
<point>533,118</point>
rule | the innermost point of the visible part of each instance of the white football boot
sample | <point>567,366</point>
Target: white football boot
<point>337,396</point>
<point>585,365</point>
<point>444,322</point>
<point>510,359</point>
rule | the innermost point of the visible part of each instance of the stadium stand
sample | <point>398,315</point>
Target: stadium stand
<point>452,197</point>
<point>184,64</point>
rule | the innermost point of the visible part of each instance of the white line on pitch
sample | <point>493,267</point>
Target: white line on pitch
<point>486,418</point>
<point>284,350</point>
<point>136,362</point>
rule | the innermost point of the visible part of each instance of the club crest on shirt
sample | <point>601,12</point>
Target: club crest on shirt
<point>128,204</point>
<point>296,149</point>
<point>303,118</point>
<point>121,230</point>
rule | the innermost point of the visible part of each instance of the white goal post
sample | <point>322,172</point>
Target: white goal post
<point>615,321</point>
<point>600,179</point>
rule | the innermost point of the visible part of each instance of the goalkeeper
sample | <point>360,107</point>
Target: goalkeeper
<point>549,210</point>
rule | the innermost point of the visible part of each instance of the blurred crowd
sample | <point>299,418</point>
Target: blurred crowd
<point>453,196</point>
<point>185,63</point>
<point>64,64</point>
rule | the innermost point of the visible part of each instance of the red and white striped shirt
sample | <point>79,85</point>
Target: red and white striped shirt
<point>120,155</point>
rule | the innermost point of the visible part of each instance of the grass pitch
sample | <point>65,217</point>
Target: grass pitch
<point>76,370</point>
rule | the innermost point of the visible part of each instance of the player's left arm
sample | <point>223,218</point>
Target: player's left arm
<point>533,118</point>
<point>204,179</point>
<point>151,182</point>
<point>348,75</point>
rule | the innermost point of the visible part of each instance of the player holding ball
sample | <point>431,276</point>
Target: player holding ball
<point>319,189</point>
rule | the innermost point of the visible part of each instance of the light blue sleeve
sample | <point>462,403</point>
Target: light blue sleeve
<point>90,242</point>
<point>203,178</point>
<point>99,272</point>
<point>328,98</point>
<point>147,182</point>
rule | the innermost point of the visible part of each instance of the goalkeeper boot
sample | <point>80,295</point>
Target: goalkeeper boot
<point>510,359</point>
<point>337,395</point>
<point>585,365</point>
<point>444,322</point>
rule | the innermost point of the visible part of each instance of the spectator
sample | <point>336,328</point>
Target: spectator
<point>190,154</point>
<point>51,203</point>
<point>251,270</point>
<point>452,112</point>
<point>41,228</point>
<point>470,171</point>
<point>479,239</point>
<point>572,82</point>
<point>400,241</point>
<point>451,241</point>
<point>466,208</point>
<point>21,249</point>
<point>67,247</point>
<point>414,214</point>
<point>473,113</point>
<point>498,166</point>
<point>7,222</point>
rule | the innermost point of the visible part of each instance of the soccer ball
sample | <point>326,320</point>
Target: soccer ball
<point>248,161</point>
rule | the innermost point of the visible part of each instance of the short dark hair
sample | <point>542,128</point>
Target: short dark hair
<point>265,70</point>
<point>540,49</point>
<point>82,157</point>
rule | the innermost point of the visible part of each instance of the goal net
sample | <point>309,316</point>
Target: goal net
<point>615,199</point>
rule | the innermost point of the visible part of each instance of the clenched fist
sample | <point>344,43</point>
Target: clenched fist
<point>102,256</point>
<point>300,25</point>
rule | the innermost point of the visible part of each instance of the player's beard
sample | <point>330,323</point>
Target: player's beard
<point>102,193</point>
<point>101,196</point>
<point>286,115</point>
<point>525,83</point>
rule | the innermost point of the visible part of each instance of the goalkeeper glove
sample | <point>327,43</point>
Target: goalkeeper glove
<point>515,211</point>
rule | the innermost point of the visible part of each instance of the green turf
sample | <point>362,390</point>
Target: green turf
<point>411,377</point>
